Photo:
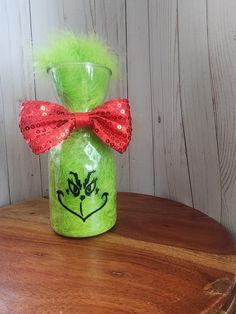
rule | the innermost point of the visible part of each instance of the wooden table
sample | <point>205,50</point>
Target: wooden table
<point>162,257</point>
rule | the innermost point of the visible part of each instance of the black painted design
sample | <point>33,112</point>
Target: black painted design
<point>75,187</point>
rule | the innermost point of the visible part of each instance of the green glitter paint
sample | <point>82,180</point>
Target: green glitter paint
<point>82,176</point>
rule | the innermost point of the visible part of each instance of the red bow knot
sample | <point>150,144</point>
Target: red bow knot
<point>44,125</point>
<point>82,120</point>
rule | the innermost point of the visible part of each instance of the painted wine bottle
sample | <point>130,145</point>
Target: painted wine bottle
<point>82,177</point>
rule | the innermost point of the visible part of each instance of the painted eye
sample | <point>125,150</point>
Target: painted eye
<point>74,189</point>
<point>91,187</point>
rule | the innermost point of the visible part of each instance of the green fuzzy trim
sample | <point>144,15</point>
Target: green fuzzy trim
<point>76,87</point>
<point>67,47</point>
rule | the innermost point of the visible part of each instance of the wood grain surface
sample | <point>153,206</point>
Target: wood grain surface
<point>162,257</point>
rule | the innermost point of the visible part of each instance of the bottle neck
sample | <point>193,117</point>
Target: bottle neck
<point>80,87</point>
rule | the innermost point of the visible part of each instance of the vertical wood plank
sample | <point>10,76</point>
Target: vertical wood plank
<point>222,48</point>
<point>197,107</point>
<point>74,16</point>
<point>51,13</point>
<point>17,83</point>
<point>4,179</point>
<point>139,91</point>
<point>171,166</point>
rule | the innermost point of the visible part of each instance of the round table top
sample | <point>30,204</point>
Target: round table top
<point>162,257</point>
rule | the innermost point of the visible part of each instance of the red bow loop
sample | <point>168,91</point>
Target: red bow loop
<point>45,125</point>
<point>113,125</point>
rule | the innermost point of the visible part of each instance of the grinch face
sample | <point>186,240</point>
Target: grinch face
<point>82,192</point>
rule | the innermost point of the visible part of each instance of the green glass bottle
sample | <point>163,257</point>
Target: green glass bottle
<point>82,178</point>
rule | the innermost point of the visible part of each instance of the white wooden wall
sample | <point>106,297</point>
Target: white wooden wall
<point>178,68</point>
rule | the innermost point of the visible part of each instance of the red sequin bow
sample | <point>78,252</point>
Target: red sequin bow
<point>45,125</point>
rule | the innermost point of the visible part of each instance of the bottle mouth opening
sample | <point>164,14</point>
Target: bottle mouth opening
<point>85,64</point>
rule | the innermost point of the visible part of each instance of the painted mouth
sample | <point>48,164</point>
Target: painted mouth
<point>80,215</point>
